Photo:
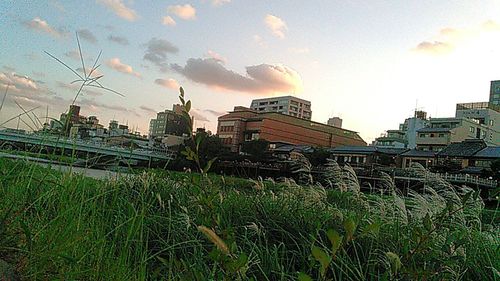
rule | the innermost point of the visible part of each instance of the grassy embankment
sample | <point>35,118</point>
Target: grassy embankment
<point>172,226</point>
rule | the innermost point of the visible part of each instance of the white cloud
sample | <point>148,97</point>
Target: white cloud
<point>216,56</point>
<point>259,79</point>
<point>299,50</point>
<point>186,12</point>
<point>120,9</point>
<point>168,20</point>
<point>276,25</point>
<point>257,39</point>
<point>117,65</point>
<point>168,83</point>
<point>42,26</point>
<point>220,2</point>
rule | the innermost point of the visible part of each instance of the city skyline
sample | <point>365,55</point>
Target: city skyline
<point>372,65</point>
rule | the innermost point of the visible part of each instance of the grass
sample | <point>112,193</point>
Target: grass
<point>161,225</point>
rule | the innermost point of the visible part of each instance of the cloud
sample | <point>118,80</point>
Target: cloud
<point>58,6</point>
<point>214,112</point>
<point>448,39</point>
<point>299,50</point>
<point>435,47</point>
<point>259,79</point>
<point>168,83</point>
<point>95,104</point>
<point>38,73</point>
<point>75,54</point>
<point>119,40</point>
<point>276,25</point>
<point>120,9</point>
<point>17,82</point>
<point>73,88</point>
<point>186,12</point>
<point>198,116</point>
<point>87,35</point>
<point>40,25</point>
<point>148,109</point>
<point>220,2</point>
<point>117,65</point>
<point>216,56</point>
<point>168,20</point>
<point>257,39</point>
<point>95,73</point>
<point>157,51</point>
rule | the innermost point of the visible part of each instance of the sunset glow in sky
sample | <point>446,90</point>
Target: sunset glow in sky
<point>369,62</point>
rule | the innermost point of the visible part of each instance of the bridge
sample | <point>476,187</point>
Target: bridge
<point>76,146</point>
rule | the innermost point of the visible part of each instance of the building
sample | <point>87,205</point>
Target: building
<point>288,105</point>
<point>406,135</point>
<point>168,122</point>
<point>335,122</point>
<point>478,120</point>
<point>244,124</point>
<point>495,93</point>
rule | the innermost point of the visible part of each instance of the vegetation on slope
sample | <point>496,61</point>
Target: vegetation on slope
<point>172,226</point>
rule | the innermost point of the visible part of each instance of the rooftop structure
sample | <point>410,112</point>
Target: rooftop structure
<point>244,124</point>
<point>335,122</point>
<point>495,93</point>
<point>168,122</point>
<point>288,105</point>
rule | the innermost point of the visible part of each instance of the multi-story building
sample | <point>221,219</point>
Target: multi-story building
<point>444,131</point>
<point>288,105</point>
<point>245,124</point>
<point>168,122</point>
<point>405,136</point>
<point>335,122</point>
<point>495,93</point>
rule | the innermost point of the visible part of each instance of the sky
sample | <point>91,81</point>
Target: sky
<point>372,63</point>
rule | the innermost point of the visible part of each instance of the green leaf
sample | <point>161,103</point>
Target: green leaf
<point>335,239</point>
<point>188,106</point>
<point>394,261</point>
<point>238,263</point>
<point>427,222</point>
<point>466,197</point>
<point>198,140</point>
<point>304,277</point>
<point>372,228</point>
<point>181,90</point>
<point>209,165</point>
<point>350,227</point>
<point>322,257</point>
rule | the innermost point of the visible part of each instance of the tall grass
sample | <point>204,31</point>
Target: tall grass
<point>161,225</point>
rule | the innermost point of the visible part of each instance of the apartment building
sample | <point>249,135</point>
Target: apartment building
<point>288,105</point>
<point>245,124</point>
<point>406,135</point>
<point>168,122</point>
<point>444,131</point>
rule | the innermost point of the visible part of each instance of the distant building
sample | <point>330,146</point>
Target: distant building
<point>168,122</point>
<point>495,92</point>
<point>405,136</point>
<point>244,124</point>
<point>335,122</point>
<point>287,105</point>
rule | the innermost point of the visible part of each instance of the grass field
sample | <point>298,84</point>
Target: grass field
<point>161,225</point>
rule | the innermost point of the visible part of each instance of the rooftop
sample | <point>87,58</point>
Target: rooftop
<point>489,152</point>
<point>477,105</point>
<point>432,130</point>
<point>467,148</point>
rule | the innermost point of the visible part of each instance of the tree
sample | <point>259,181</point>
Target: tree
<point>256,148</point>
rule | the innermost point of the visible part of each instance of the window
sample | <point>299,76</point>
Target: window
<point>441,135</point>
<point>471,129</point>
<point>491,122</point>
<point>431,135</point>
<point>421,135</point>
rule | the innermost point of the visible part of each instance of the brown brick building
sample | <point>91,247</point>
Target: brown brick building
<point>244,124</point>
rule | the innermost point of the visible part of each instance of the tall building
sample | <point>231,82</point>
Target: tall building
<point>405,136</point>
<point>168,122</point>
<point>495,93</point>
<point>245,124</point>
<point>287,105</point>
<point>335,122</point>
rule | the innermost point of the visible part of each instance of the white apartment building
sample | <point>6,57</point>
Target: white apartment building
<point>288,105</point>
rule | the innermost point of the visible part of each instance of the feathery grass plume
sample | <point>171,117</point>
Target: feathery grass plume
<point>350,179</point>
<point>302,167</point>
<point>214,238</point>
<point>333,175</point>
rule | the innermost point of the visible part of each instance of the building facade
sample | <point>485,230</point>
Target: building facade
<point>335,122</point>
<point>287,105</point>
<point>495,93</point>
<point>168,122</point>
<point>406,135</point>
<point>244,124</point>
